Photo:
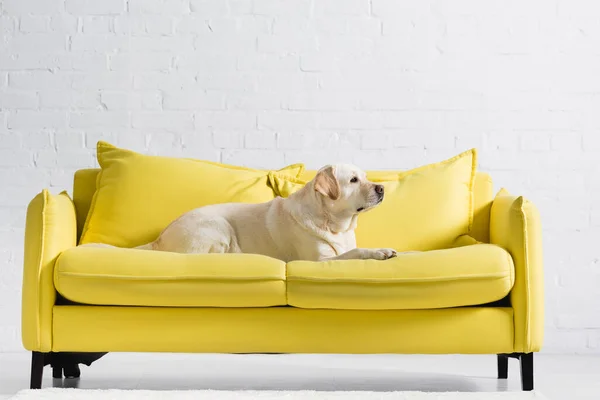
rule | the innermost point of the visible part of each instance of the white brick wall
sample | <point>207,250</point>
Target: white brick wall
<point>380,83</point>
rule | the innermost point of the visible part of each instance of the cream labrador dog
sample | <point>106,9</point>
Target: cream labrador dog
<point>316,223</point>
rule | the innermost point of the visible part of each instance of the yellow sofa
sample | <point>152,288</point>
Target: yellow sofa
<point>483,296</point>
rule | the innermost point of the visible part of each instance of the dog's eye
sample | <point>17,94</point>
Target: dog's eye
<point>354,180</point>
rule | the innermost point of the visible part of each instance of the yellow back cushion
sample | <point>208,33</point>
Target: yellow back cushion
<point>423,209</point>
<point>137,195</point>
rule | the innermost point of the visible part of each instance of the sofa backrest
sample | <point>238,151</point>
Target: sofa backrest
<point>84,186</point>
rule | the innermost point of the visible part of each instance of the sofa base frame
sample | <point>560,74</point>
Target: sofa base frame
<point>67,364</point>
<point>526,361</point>
<point>63,364</point>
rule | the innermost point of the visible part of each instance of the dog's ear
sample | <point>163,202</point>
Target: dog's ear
<point>327,184</point>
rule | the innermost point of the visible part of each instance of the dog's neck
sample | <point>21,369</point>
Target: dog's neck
<point>314,211</point>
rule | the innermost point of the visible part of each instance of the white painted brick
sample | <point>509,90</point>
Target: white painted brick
<point>163,80</point>
<point>250,25</point>
<point>15,158</point>
<point>239,82</point>
<point>278,8</point>
<point>240,7</point>
<point>160,141</point>
<point>225,120</point>
<point>75,159</point>
<point>55,62</point>
<point>290,82</point>
<point>172,121</point>
<point>192,24</point>
<point>536,141</point>
<point>253,101</point>
<point>198,61</point>
<point>72,140</point>
<point>7,24</point>
<point>292,44</point>
<point>37,140</point>
<point>341,7</point>
<point>9,139</point>
<point>501,140</point>
<point>267,159</point>
<point>320,62</point>
<point>208,8</point>
<point>228,139</point>
<point>16,99</point>
<point>591,141</point>
<point>64,23</point>
<point>193,99</point>
<point>95,119</point>
<point>99,43</point>
<point>15,216</point>
<point>428,139</point>
<point>35,7</point>
<point>102,80</point>
<point>33,42</point>
<point>323,101</point>
<point>567,141</point>
<point>224,44</point>
<point>595,221</point>
<point>350,120</point>
<point>121,100</point>
<point>388,100</point>
<point>92,137</point>
<point>268,62</point>
<point>260,140</point>
<point>67,99</point>
<point>36,119</point>
<point>159,25</point>
<point>97,25</point>
<point>287,120</point>
<point>141,62</point>
<point>160,7</point>
<point>130,25</point>
<point>180,44</point>
<point>63,177</point>
<point>17,195</point>
<point>34,24</point>
<point>376,140</point>
<point>93,7</point>
<point>149,100</point>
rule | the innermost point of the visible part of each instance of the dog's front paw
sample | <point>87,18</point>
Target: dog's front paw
<point>383,254</point>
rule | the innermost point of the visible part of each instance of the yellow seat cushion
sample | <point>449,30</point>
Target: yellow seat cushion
<point>462,276</point>
<point>137,195</point>
<point>426,208</point>
<point>129,277</point>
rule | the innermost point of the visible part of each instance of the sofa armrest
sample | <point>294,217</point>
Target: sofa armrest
<point>515,225</point>
<point>50,229</point>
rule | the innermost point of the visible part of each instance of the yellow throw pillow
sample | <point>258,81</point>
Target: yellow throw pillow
<point>423,209</point>
<point>137,195</point>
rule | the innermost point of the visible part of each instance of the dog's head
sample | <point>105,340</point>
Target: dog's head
<point>347,189</point>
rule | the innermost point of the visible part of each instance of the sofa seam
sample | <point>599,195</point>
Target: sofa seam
<point>162,278</point>
<point>396,281</point>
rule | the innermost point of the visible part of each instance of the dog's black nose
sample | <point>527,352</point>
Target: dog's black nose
<point>379,189</point>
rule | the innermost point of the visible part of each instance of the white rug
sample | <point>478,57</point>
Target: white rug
<point>82,394</point>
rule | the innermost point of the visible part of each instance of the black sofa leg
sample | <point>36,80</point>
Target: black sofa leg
<point>37,370</point>
<point>502,366</point>
<point>67,363</point>
<point>526,371</point>
<point>57,367</point>
<point>526,362</point>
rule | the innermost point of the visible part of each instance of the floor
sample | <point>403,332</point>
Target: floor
<point>558,377</point>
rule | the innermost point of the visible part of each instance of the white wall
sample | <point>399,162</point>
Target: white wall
<point>380,83</point>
